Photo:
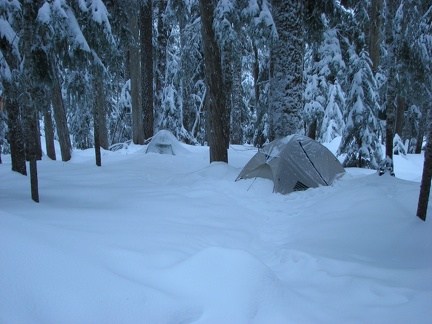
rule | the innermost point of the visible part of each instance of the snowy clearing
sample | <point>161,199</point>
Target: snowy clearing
<point>154,238</point>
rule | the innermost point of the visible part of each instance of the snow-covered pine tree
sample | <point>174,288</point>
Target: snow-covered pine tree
<point>324,98</point>
<point>360,142</point>
<point>261,31</point>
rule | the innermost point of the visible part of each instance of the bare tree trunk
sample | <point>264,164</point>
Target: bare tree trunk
<point>286,68</point>
<point>49,132</point>
<point>237,109</point>
<point>217,117</point>
<point>97,111</point>
<point>427,171</point>
<point>312,129</point>
<point>146,36</point>
<point>16,136</point>
<point>161,59</point>
<point>32,134</point>
<point>60,118</point>
<point>135,78</point>
<point>375,37</point>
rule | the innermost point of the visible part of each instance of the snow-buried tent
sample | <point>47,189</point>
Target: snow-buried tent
<point>164,142</point>
<point>294,163</point>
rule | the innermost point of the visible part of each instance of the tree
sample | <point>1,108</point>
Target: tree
<point>427,171</point>
<point>425,45</point>
<point>217,114</point>
<point>146,36</point>
<point>359,141</point>
<point>286,83</point>
<point>10,58</point>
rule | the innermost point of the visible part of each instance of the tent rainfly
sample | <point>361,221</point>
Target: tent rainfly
<point>164,142</point>
<point>294,163</point>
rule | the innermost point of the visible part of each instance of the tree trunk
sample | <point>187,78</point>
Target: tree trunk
<point>427,171</point>
<point>100,107</point>
<point>312,129</point>
<point>49,132</point>
<point>135,78</point>
<point>286,68</point>
<point>146,34</point>
<point>16,136</point>
<point>227,75</point>
<point>60,118</point>
<point>161,59</point>
<point>375,37</point>
<point>97,111</point>
<point>237,109</point>
<point>32,134</point>
<point>217,117</point>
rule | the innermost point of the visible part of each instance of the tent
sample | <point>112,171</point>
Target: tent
<point>164,142</point>
<point>294,163</point>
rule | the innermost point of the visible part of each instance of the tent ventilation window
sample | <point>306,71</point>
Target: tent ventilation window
<point>300,186</point>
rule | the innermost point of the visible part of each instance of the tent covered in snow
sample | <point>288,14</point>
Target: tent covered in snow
<point>164,142</point>
<point>294,163</point>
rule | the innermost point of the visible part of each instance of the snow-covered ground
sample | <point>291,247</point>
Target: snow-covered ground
<point>150,238</point>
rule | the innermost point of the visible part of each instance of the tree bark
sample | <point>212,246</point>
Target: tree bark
<point>135,78</point>
<point>16,136</point>
<point>97,111</point>
<point>146,35</point>
<point>217,117</point>
<point>161,59</point>
<point>375,37</point>
<point>237,109</point>
<point>60,118</point>
<point>49,133</point>
<point>286,68</point>
<point>427,171</point>
<point>312,129</point>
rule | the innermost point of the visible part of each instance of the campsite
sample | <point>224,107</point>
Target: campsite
<point>162,238</point>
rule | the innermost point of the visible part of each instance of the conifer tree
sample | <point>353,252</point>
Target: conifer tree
<point>360,142</point>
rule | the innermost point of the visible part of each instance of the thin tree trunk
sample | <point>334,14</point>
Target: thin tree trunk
<point>427,171</point>
<point>97,110</point>
<point>146,35</point>
<point>32,134</point>
<point>60,118</point>
<point>49,133</point>
<point>217,117</point>
<point>100,106</point>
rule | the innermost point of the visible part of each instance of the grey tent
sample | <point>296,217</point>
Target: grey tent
<point>164,142</point>
<point>294,163</point>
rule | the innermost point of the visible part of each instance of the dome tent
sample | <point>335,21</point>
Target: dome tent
<point>164,142</point>
<point>294,163</point>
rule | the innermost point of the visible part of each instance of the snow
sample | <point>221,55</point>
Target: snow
<point>155,238</point>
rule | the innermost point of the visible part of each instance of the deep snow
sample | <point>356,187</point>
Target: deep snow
<point>153,238</point>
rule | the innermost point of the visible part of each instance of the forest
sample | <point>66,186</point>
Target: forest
<point>99,73</point>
